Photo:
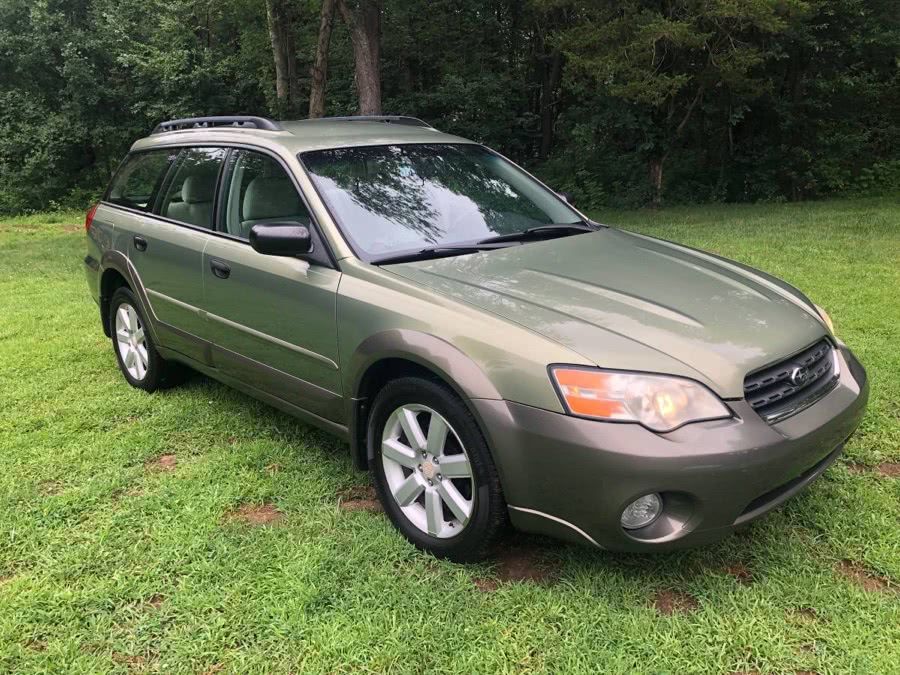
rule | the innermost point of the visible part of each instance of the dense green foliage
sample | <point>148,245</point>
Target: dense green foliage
<point>127,543</point>
<point>616,101</point>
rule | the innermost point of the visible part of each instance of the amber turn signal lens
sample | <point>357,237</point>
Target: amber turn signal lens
<point>586,392</point>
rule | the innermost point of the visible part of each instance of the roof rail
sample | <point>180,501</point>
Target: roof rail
<point>217,121</point>
<point>387,119</point>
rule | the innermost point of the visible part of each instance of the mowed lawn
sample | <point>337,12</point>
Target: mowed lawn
<point>197,530</point>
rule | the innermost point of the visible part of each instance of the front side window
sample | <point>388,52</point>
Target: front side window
<point>398,198</point>
<point>135,184</point>
<point>258,190</point>
<point>189,196</point>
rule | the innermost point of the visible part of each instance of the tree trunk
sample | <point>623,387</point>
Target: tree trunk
<point>319,71</point>
<point>364,23</point>
<point>656,178</point>
<point>552,77</point>
<point>283,54</point>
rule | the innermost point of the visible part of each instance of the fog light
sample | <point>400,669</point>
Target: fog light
<point>642,511</point>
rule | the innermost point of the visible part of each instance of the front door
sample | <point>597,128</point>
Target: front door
<point>271,319</point>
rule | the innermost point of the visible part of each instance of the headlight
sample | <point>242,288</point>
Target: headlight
<point>825,318</point>
<point>658,402</point>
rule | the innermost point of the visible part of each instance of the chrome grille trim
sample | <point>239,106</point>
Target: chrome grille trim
<point>790,385</point>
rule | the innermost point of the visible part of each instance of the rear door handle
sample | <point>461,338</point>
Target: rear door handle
<point>140,243</point>
<point>219,268</point>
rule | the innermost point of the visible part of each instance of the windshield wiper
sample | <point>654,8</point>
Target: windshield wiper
<point>553,229</point>
<point>431,253</point>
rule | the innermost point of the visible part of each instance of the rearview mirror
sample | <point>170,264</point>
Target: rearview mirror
<point>287,239</point>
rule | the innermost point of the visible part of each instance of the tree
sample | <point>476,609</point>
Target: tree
<point>319,71</point>
<point>284,53</point>
<point>363,19</point>
<point>666,57</point>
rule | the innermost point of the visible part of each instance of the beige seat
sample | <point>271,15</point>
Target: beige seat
<point>268,199</point>
<point>195,206</point>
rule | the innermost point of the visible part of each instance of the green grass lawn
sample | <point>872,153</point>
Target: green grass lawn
<point>197,530</point>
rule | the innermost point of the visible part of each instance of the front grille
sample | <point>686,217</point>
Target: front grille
<point>788,386</point>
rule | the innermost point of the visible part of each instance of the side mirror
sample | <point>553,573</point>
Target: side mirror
<point>566,196</point>
<point>287,239</point>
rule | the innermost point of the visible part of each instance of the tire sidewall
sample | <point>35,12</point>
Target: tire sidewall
<point>424,392</point>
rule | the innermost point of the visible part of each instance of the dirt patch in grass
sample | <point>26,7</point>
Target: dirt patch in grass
<point>889,469</point>
<point>273,468</point>
<point>740,572</point>
<point>36,645</point>
<point>162,463</point>
<point>49,488</point>
<point>868,581</point>
<point>669,602</point>
<point>360,498</point>
<point>156,600</point>
<point>884,469</point>
<point>518,563</point>
<point>804,614</point>
<point>255,515</point>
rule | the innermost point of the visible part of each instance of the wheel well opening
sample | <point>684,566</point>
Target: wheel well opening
<point>373,380</point>
<point>109,283</point>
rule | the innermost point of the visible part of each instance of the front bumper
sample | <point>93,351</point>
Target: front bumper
<point>571,478</point>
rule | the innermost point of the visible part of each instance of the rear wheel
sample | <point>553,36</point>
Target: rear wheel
<point>433,470</point>
<point>136,354</point>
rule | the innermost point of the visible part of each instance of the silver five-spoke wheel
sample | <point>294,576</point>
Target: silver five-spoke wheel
<point>130,341</point>
<point>427,470</point>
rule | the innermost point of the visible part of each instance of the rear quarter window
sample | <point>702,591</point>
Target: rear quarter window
<point>138,179</point>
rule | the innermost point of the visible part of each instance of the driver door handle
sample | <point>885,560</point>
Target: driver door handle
<point>219,268</point>
<point>140,243</point>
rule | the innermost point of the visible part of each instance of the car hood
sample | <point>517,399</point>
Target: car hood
<point>627,301</point>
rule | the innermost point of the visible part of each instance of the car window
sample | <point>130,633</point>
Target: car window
<point>136,182</point>
<point>259,190</point>
<point>190,194</point>
<point>394,198</point>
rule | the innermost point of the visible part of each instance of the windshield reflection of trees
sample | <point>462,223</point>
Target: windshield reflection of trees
<point>397,183</point>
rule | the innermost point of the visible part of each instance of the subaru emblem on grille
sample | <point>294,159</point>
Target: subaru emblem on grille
<point>799,376</point>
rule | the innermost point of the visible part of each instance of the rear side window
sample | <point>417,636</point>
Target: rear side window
<point>136,182</point>
<point>190,194</point>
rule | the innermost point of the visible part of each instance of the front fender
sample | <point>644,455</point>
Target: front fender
<point>432,353</point>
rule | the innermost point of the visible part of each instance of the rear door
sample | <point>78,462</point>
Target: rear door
<point>165,246</point>
<point>271,319</point>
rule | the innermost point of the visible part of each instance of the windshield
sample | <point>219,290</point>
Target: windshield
<point>398,198</point>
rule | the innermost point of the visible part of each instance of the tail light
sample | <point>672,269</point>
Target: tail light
<point>89,218</point>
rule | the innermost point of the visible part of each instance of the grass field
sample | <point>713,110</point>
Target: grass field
<point>200,531</point>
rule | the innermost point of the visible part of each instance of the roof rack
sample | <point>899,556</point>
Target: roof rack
<point>247,121</point>
<point>386,119</point>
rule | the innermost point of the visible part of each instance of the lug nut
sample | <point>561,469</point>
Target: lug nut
<point>420,467</point>
<point>440,477</point>
<point>431,482</point>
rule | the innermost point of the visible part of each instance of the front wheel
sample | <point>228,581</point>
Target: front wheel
<point>433,471</point>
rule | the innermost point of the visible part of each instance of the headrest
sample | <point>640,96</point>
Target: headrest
<point>271,197</point>
<point>198,188</point>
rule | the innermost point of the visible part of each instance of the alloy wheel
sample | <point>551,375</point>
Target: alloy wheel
<point>427,470</point>
<point>131,342</point>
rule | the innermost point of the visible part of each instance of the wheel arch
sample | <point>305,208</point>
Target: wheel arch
<point>117,271</point>
<point>401,353</point>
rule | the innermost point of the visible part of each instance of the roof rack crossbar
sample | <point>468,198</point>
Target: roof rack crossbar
<point>217,121</point>
<point>387,119</point>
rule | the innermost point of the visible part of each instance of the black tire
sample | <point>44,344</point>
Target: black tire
<point>489,515</point>
<point>160,373</point>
